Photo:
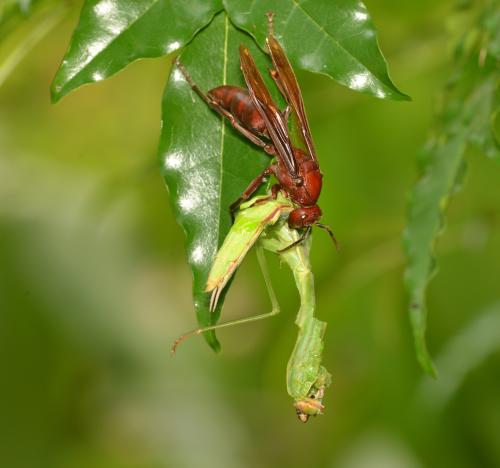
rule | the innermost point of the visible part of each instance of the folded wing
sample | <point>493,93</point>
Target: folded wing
<point>290,88</point>
<point>276,123</point>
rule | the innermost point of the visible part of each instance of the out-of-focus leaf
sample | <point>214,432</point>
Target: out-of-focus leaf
<point>24,5</point>
<point>480,112</point>
<point>13,13</point>
<point>6,8</point>
<point>26,36</point>
<point>337,39</point>
<point>205,162</point>
<point>479,339</point>
<point>113,33</point>
<point>471,104</point>
<point>472,100</point>
<point>495,122</point>
<point>492,25</point>
<point>427,204</point>
<point>11,7</point>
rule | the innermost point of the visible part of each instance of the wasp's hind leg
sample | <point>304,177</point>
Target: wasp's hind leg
<point>249,191</point>
<point>268,148</point>
<point>275,189</point>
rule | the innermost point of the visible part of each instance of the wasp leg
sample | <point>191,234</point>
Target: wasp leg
<point>268,148</point>
<point>253,186</point>
<point>301,239</point>
<point>275,189</point>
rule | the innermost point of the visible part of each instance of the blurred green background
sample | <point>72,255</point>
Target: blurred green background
<point>94,286</point>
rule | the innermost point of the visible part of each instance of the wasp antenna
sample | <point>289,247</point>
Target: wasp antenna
<point>332,235</point>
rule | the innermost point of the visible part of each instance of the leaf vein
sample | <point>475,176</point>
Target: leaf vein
<point>321,28</point>
<point>223,123</point>
<point>120,34</point>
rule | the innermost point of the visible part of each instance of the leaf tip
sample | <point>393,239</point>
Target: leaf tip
<point>427,364</point>
<point>212,341</point>
<point>398,95</point>
<point>417,317</point>
<point>56,92</point>
<point>406,97</point>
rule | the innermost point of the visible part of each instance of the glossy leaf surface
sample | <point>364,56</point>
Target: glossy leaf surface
<point>205,162</point>
<point>113,33</point>
<point>337,39</point>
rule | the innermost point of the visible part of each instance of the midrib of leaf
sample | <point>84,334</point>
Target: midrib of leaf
<point>326,33</point>
<point>121,34</point>
<point>223,124</point>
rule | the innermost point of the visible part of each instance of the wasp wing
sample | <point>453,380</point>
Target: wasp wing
<point>275,121</point>
<point>287,82</point>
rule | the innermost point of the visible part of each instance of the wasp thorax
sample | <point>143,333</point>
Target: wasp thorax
<point>298,181</point>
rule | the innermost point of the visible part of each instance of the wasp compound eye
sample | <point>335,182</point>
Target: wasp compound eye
<point>303,217</point>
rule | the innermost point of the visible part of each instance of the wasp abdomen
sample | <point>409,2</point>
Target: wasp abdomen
<point>238,102</point>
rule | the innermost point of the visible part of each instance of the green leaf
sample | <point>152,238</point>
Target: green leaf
<point>335,38</point>
<point>205,162</point>
<point>13,13</point>
<point>428,202</point>
<point>481,109</point>
<point>13,7</point>
<point>470,106</point>
<point>23,30</point>
<point>472,100</point>
<point>24,5</point>
<point>491,22</point>
<point>113,33</point>
<point>463,353</point>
